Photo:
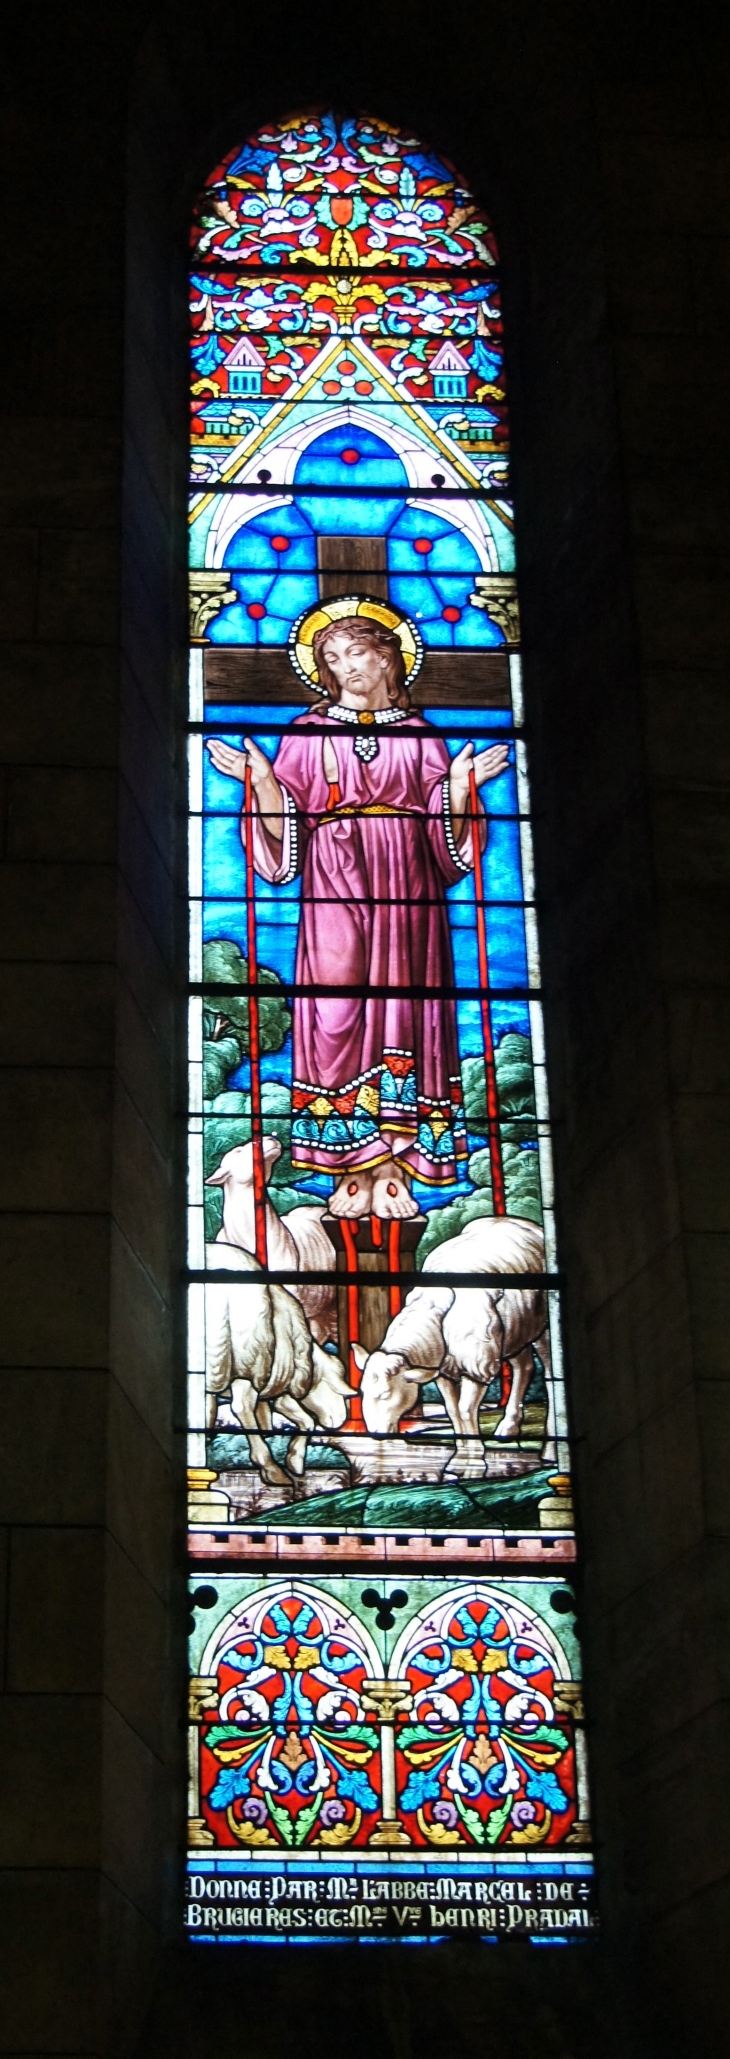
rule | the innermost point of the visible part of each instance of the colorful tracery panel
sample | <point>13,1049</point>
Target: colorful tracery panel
<point>380,1740</point>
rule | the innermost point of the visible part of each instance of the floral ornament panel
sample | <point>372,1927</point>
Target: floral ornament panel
<point>323,192</point>
<point>486,1759</point>
<point>291,1759</point>
<point>256,341</point>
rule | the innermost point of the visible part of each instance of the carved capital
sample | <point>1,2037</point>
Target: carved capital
<point>202,1697</point>
<point>199,1834</point>
<point>496,593</point>
<point>209,592</point>
<point>386,1699</point>
<point>568,1699</point>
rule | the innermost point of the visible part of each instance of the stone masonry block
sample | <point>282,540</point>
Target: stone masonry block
<point>148,760</point>
<point>707,1262</point>
<point>702,1144</point>
<point>681,1609</point>
<point>147,874</point>
<point>59,473</point>
<point>55,1618</point>
<point>677,1838</point>
<point>698,1026</point>
<point>54,1288</point>
<point>61,813</point>
<point>59,704</point>
<point>692,842</point>
<point>687,726</point>
<point>141,1339</point>
<point>18,583</point>
<point>50,1929</point>
<point>57,1015</point>
<point>78,593</point>
<point>53,1439</point>
<point>51,1814</point>
<point>4,1555</point>
<point>138,1677</point>
<point>142,1196</point>
<point>134,1802</point>
<point>58,911</point>
<point>646,1498</point>
<point>713,1403</point>
<point>694,928</point>
<point>683,525</point>
<point>57,1138</point>
<point>144,969</point>
<point>684,617</point>
<point>648,285</point>
<point>710,284</point>
<point>638,1351</point>
<point>146,1068</point>
<point>650,373</point>
<point>667,184</point>
<point>139,1492</point>
<point>627,1208</point>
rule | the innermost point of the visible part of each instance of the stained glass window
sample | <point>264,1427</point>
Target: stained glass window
<point>386,1732</point>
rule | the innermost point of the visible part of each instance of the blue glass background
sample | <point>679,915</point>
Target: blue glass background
<point>277,908</point>
<point>421,583</point>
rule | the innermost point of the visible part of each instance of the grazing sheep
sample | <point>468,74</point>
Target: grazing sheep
<point>459,1337</point>
<point>296,1242</point>
<point>259,1350</point>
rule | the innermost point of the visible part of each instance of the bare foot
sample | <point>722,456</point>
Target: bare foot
<point>353,1195</point>
<point>391,1196</point>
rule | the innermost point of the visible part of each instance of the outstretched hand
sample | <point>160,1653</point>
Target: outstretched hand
<point>234,764</point>
<point>485,765</point>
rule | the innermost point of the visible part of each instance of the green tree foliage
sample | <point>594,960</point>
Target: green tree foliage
<point>518,1133</point>
<point>225,1044</point>
<point>226,1123</point>
<point>226,1017</point>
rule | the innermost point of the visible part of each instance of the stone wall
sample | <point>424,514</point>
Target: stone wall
<point>599,140</point>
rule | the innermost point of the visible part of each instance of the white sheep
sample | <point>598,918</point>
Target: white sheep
<point>296,1242</point>
<point>459,1336</point>
<point>259,1350</point>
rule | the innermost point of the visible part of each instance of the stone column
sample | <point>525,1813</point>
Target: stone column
<point>569,1702</point>
<point>386,1700</point>
<point>202,1702</point>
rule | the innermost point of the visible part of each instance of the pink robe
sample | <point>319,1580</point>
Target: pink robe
<point>375,1072</point>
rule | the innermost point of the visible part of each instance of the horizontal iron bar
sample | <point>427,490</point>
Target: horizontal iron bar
<point>475,274</point>
<point>374,901</point>
<point>217,1276</point>
<point>291,490</point>
<point>409,993</point>
<point>469,718</point>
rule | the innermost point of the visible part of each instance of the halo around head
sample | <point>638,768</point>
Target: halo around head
<point>341,609</point>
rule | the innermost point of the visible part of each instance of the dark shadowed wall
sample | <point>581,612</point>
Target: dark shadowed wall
<point>599,139</point>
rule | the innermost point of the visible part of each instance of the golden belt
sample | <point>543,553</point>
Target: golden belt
<point>369,808</point>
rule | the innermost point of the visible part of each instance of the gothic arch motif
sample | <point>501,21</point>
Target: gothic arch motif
<point>376,1384</point>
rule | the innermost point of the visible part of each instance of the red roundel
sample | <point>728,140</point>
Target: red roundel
<point>350,457</point>
<point>256,610</point>
<point>451,614</point>
<point>423,544</point>
<point>363,386</point>
<point>280,543</point>
<point>346,366</point>
<point>331,386</point>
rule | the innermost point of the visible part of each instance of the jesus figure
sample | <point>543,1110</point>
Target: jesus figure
<point>365,803</point>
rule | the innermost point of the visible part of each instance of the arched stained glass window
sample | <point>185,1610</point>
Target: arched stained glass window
<point>386,1735</point>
